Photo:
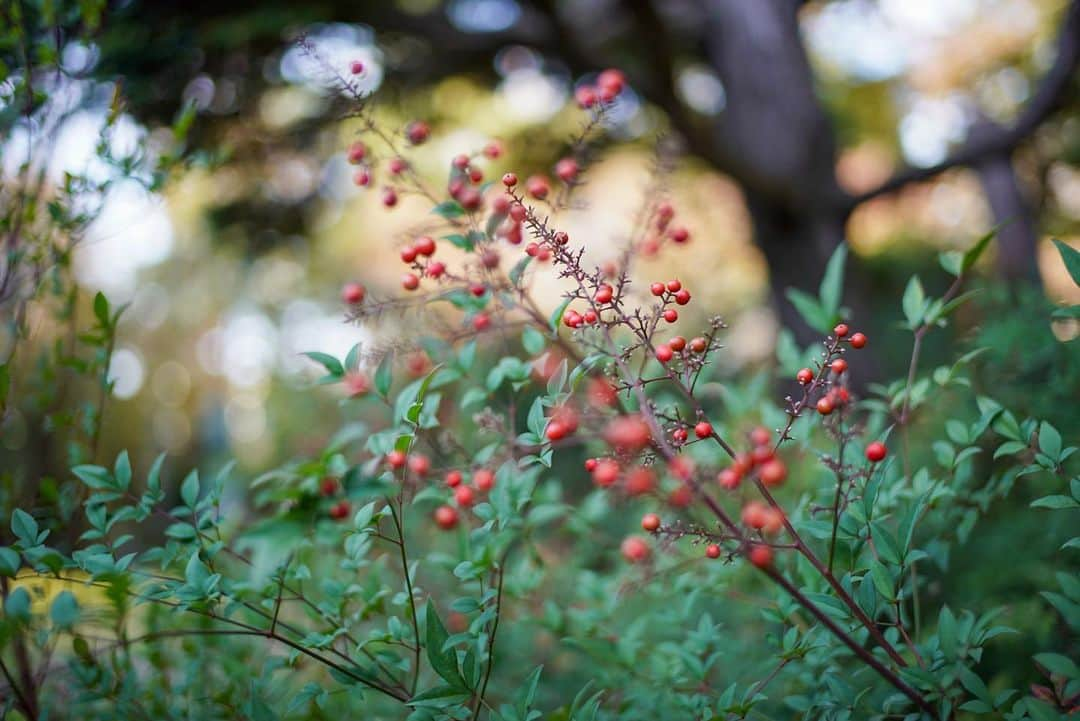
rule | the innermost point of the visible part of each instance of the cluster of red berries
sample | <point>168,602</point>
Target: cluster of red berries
<point>465,495</point>
<point>417,256</point>
<point>609,84</point>
<point>664,231</point>
<point>328,488</point>
<point>563,423</point>
<point>762,460</point>
<point>837,396</point>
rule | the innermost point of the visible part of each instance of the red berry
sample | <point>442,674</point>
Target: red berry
<point>453,479</point>
<point>417,131</point>
<point>650,522</point>
<point>876,451</point>
<point>470,199</point>
<point>484,479</point>
<point>410,281</point>
<point>680,435</point>
<point>703,429</point>
<point>353,293</point>
<point>561,238</point>
<point>362,177</point>
<point>605,473</point>
<point>680,235</point>
<point>729,479</point>
<point>858,340</point>
<point>640,481</point>
<point>493,149</point>
<point>567,170</point>
<point>611,80</point>
<point>509,180</point>
<point>665,211</point>
<point>408,254</point>
<point>395,458</point>
<point>760,436</point>
<point>425,245</point>
<point>476,175</point>
<point>590,464</point>
<point>681,497</point>
<point>356,67</point>
<point>755,514</point>
<point>460,161</point>
<point>446,517</point>
<point>761,454</point>
<point>357,151</point>
<point>500,204</point>
<point>537,186</point>
<point>518,212</point>
<point>682,297</point>
<point>634,549</point>
<point>555,431</point>
<point>674,286</point>
<point>585,96</point>
<point>629,433</point>
<point>671,315</point>
<point>761,556</point>
<point>490,258</point>
<point>397,166</point>
<point>477,289</point>
<point>824,406</point>
<point>804,376</point>
<point>601,393</point>
<point>357,383</point>
<point>664,353</point>
<point>328,486</point>
<point>677,343</point>
<point>838,366</point>
<point>481,321</point>
<point>841,330</point>
<point>419,464</point>
<point>340,510</point>
<point>464,496</point>
<point>712,551</point>
<point>590,317</point>
<point>604,294</point>
<point>681,467</point>
<point>657,289</point>
<point>773,472</point>
<point>435,269</point>
<point>389,198</point>
<point>699,345</point>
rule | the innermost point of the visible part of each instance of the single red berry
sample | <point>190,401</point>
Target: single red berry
<point>650,522</point>
<point>657,289</point>
<point>410,281</point>
<point>772,472</point>
<point>395,458</point>
<point>629,433</point>
<point>353,293</point>
<point>477,289</point>
<point>804,376</point>
<point>590,464</point>
<point>611,80</point>
<point>453,479</point>
<point>490,258</point>
<point>356,67</point>
<point>728,479</point>
<point>476,175</point>
<point>761,556</point>
<point>681,467</point>
<point>671,315</point>
<point>419,464</point>
<point>509,180</point>
<point>328,486</point>
<point>481,321</point>
<point>677,343</point>
<point>362,177</point>
<point>493,149</point>
<point>537,186</point>
<point>340,510</point>
<point>640,481</point>
<point>680,435</point>
<point>680,235</point>
<point>470,199</point>
<point>561,238</point>
<point>397,166</point>
<point>699,345</point>
<point>518,212</point>
<point>357,383</point>
<point>824,406</point>
<point>425,245</point>
<point>674,286</point>
<point>875,452</point>
<point>446,517</point>
<point>435,269</point>
<point>681,497</point>
<point>741,463</point>
<point>838,366</point>
<point>761,454</point>
<point>460,161</point>
<point>604,294</point>
<point>682,297</point>
<point>755,514</point>
<point>712,551</point>
<point>417,131</point>
<point>665,211</point>
<point>634,549</point>
<point>555,431</point>
<point>664,353</point>
<point>567,170</point>
<point>484,479</point>
<point>760,436</point>
<point>703,429</point>
<point>840,330</point>
<point>464,496</point>
<point>389,198</point>
<point>605,473</point>
<point>500,205</point>
<point>858,340</point>
<point>590,317</point>
<point>357,151</point>
<point>408,254</point>
<point>585,96</point>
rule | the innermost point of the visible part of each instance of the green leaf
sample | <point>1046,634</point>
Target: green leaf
<point>64,611</point>
<point>448,209</point>
<point>153,478</point>
<point>519,270</point>
<point>122,471</point>
<point>810,310</point>
<point>971,255</point>
<point>914,302</point>
<point>189,489</point>
<point>952,261</point>
<point>1072,311</point>
<point>24,527</point>
<point>556,316</point>
<point>94,477</point>
<point>384,374</point>
<point>352,358</point>
<point>17,604</point>
<point>532,340</point>
<point>1071,258</point>
<point>1056,503</point>
<point>101,309</point>
<point>947,633</point>
<point>1050,441</point>
<point>882,581</point>
<point>461,241</point>
<point>9,562</point>
<point>330,363</point>
<point>832,284</point>
<point>1058,664</point>
<point>444,661</point>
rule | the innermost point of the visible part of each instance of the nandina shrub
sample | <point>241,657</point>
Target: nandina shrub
<point>568,514</point>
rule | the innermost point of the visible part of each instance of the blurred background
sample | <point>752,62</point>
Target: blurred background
<point>903,126</point>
